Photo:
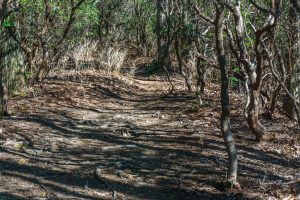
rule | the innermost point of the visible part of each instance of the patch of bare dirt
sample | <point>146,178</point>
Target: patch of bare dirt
<point>91,136</point>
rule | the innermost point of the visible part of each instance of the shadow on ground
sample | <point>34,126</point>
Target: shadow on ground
<point>142,144</point>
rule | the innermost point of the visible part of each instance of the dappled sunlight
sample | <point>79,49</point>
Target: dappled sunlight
<point>142,151</point>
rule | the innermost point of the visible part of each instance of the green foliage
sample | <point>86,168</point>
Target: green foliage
<point>124,20</point>
<point>11,62</point>
<point>8,23</point>
<point>28,75</point>
<point>19,93</point>
<point>152,67</point>
<point>194,108</point>
<point>236,70</point>
<point>233,81</point>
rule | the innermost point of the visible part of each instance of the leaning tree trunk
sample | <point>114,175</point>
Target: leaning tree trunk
<point>225,115</point>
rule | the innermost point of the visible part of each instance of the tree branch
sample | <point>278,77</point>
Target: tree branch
<point>205,18</point>
<point>261,8</point>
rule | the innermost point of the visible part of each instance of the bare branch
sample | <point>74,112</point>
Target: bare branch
<point>276,76</point>
<point>201,15</point>
<point>261,8</point>
<point>67,27</point>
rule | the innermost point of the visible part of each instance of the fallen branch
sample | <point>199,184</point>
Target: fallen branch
<point>282,184</point>
<point>118,147</point>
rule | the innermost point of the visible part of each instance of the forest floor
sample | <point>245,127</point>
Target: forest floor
<point>92,136</point>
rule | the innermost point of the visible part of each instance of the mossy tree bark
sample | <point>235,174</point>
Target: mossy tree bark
<point>11,61</point>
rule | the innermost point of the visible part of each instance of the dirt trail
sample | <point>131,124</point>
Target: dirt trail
<point>95,137</point>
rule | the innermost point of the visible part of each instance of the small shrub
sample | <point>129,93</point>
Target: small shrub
<point>84,55</point>
<point>89,55</point>
<point>115,58</point>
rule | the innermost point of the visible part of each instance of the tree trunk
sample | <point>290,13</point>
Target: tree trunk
<point>225,102</point>
<point>253,115</point>
<point>1,11</point>
<point>183,56</point>
<point>178,56</point>
<point>3,89</point>
<point>293,80</point>
<point>11,61</point>
<point>41,73</point>
<point>163,41</point>
<point>200,81</point>
<point>274,101</point>
<point>163,56</point>
<point>4,98</point>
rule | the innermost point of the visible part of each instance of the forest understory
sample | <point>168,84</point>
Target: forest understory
<point>149,100</point>
<point>88,135</point>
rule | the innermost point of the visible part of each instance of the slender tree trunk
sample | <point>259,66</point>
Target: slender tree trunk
<point>159,27</point>
<point>186,75</point>
<point>3,88</point>
<point>278,87</point>
<point>163,41</point>
<point>4,98</point>
<point>178,56</point>
<point>163,56</point>
<point>41,72</point>
<point>254,69</point>
<point>274,100</point>
<point>200,81</point>
<point>225,115</point>
<point>293,80</point>
<point>2,2</point>
<point>45,60</point>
